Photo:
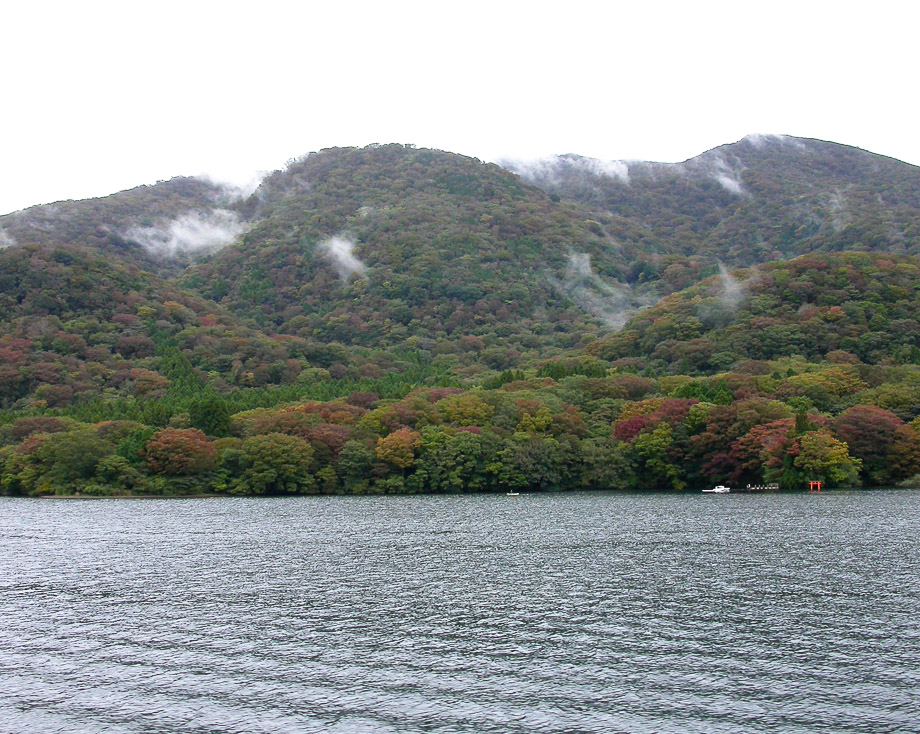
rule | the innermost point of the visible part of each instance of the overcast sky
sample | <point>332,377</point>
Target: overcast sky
<point>103,96</point>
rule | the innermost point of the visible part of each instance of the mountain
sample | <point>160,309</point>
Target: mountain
<point>760,199</point>
<point>353,259</point>
<point>389,319</point>
<point>157,227</point>
<point>850,307</point>
<point>393,246</point>
<point>76,325</point>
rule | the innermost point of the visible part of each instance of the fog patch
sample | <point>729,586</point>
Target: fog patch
<point>838,210</point>
<point>193,233</point>
<point>236,188</point>
<point>554,169</point>
<point>732,291</point>
<point>339,250</point>
<point>540,170</point>
<point>726,177</point>
<point>613,304</point>
<point>610,169</point>
<point>6,240</point>
<point>761,140</point>
<point>730,184</point>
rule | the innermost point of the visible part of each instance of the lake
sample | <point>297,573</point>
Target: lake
<point>581,612</point>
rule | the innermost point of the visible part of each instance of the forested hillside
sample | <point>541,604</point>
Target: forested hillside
<point>116,224</point>
<point>763,198</point>
<point>855,305</point>
<point>392,246</point>
<point>390,319</point>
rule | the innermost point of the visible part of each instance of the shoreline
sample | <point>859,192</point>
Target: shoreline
<point>689,492</point>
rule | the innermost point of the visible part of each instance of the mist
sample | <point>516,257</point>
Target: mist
<point>237,188</point>
<point>551,169</point>
<point>193,233</point>
<point>837,205</point>
<point>727,177</point>
<point>339,250</point>
<point>612,304</point>
<point>732,289</point>
<point>6,240</point>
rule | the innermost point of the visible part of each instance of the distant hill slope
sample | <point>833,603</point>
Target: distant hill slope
<point>464,262</point>
<point>77,325</point>
<point>121,224</point>
<point>763,198</point>
<point>851,306</point>
<point>389,245</point>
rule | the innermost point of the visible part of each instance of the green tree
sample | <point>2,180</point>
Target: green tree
<point>821,456</point>
<point>651,450</point>
<point>275,463</point>
<point>355,462</point>
<point>74,455</point>
<point>461,461</point>
<point>210,414</point>
<point>606,465</point>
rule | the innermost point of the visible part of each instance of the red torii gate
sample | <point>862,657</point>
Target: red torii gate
<point>814,486</point>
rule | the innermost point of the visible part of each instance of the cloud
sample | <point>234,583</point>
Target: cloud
<point>339,250</point>
<point>837,204</point>
<point>6,240</point>
<point>612,304</point>
<point>553,169</point>
<point>190,234</point>
<point>730,184</point>
<point>732,290</point>
<point>760,140</point>
<point>726,176</point>
<point>611,169</point>
<point>236,188</point>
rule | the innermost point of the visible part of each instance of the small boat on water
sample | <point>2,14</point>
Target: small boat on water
<point>512,493</point>
<point>718,489</point>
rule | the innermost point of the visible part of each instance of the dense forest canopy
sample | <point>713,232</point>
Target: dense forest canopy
<point>391,319</point>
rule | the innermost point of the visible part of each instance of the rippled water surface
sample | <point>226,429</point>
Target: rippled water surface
<point>539,613</point>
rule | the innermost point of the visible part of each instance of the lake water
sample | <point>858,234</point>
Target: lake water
<point>540,613</point>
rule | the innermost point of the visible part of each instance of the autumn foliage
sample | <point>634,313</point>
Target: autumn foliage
<point>177,452</point>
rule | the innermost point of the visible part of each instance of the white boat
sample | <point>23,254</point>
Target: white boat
<point>718,489</point>
<point>512,493</point>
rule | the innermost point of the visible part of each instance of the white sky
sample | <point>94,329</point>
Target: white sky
<point>103,96</point>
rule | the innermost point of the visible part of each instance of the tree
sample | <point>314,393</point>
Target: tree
<point>210,414</point>
<point>327,440</point>
<point>399,448</point>
<point>460,461</point>
<point>74,455</point>
<point>355,462</point>
<point>179,452</point>
<point>869,433</point>
<point>651,450</point>
<point>465,410</point>
<point>538,461</point>
<point>904,453</point>
<point>275,463</point>
<point>821,456</point>
<point>605,465</point>
<point>49,463</point>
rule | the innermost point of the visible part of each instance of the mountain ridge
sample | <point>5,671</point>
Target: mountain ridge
<point>392,319</point>
<point>398,248</point>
